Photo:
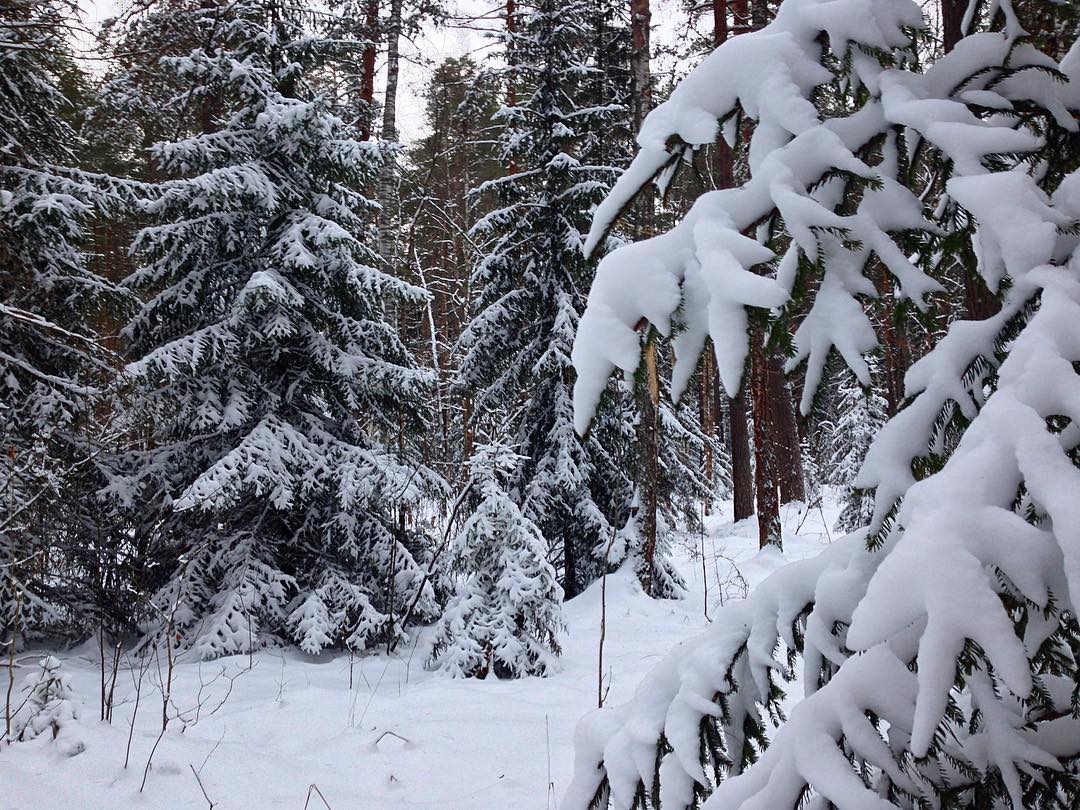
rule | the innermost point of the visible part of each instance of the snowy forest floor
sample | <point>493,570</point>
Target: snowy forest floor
<point>401,737</point>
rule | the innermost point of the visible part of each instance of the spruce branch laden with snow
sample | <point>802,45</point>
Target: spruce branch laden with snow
<point>939,651</point>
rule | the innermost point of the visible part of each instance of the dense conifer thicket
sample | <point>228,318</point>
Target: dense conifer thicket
<point>249,346</point>
<point>269,377</point>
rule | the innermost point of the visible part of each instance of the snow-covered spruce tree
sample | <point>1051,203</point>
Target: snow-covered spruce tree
<point>47,708</point>
<point>275,485</point>
<point>938,652</point>
<point>530,289</point>
<point>52,364</point>
<point>505,616</point>
<point>857,415</point>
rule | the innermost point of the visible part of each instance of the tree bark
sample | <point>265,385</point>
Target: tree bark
<point>766,470</point>
<point>388,174</point>
<point>641,92</point>
<point>367,73</point>
<point>720,23</point>
<point>979,303</point>
<point>648,483</point>
<point>784,433</point>
<point>742,482</point>
<point>640,104</point>
<point>952,18</point>
<point>649,441</point>
<point>706,414</point>
<point>511,29</point>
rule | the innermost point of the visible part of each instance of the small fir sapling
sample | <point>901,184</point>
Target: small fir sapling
<point>505,616</point>
<point>48,708</point>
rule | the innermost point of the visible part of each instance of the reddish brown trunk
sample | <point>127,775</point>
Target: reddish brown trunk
<point>978,300</point>
<point>766,472</point>
<point>649,440</point>
<point>720,24</point>
<point>784,434</point>
<point>896,350</point>
<point>952,18</point>
<point>648,437</point>
<point>705,412</point>
<point>742,482</point>
<point>367,73</point>
<point>467,419</point>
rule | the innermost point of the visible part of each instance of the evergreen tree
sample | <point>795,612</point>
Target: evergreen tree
<point>275,488</point>
<point>504,617</point>
<point>53,365</point>
<point>858,414</point>
<point>937,651</point>
<point>530,288</point>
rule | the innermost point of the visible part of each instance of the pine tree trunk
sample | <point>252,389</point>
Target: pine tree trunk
<point>787,450</point>
<point>896,349</point>
<point>649,441</point>
<point>766,469</point>
<point>706,414</point>
<point>979,303</point>
<point>388,175</point>
<point>367,73</point>
<point>952,18</point>
<point>641,95</point>
<point>720,23</point>
<point>640,104</point>
<point>740,17</point>
<point>648,394</point>
<point>742,481</point>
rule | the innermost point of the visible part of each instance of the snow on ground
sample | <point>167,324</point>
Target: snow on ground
<point>401,737</point>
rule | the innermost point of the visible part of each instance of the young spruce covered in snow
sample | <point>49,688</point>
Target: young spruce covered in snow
<point>278,463</point>
<point>939,652</point>
<point>505,616</point>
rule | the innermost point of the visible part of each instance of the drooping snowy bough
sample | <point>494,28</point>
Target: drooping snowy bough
<point>938,651</point>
